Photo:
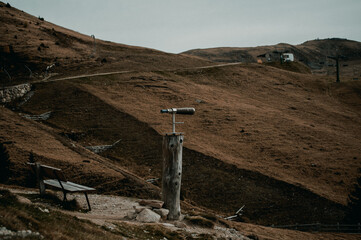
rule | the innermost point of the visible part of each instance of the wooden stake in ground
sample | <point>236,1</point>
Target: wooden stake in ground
<point>39,179</point>
<point>172,173</point>
<point>172,165</point>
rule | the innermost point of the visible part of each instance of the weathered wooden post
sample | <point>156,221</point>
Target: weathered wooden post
<point>39,179</point>
<point>172,165</point>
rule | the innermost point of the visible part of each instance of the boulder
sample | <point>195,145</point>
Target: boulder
<point>148,216</point>
<point>138,209</point>
<point>162,212</point>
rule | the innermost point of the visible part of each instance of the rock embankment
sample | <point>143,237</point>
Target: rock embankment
<point>8,94</point>
<point>8,234</point>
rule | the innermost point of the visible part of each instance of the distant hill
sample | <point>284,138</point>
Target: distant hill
<point>312,53</point>
<point>29,42</point>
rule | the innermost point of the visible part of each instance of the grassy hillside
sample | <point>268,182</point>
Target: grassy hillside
<point>28,42</point>
<point>312,54</point>
<point>278,153</point>
<point>278,139</point>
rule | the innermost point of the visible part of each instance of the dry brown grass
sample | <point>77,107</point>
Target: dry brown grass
<point>54,225</point>
<point>199,221</point>
<point>285,144</point>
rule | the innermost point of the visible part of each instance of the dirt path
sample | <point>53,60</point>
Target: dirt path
<point>108,210</point>
<point>48,79</point>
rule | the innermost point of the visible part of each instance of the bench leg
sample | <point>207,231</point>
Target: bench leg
<point>64,200</point>
<point>87,200</point>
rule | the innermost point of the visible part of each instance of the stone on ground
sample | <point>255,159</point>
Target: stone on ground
<point>148,216</point>
<point>162,212</point>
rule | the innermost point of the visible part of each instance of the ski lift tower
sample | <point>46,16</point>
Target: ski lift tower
<point>337,58</point>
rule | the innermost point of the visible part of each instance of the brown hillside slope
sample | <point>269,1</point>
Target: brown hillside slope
<point>206,180</point>
<point>28,41</point>
<point>23,136</point>
<point>311,53</point>
<point>289,126</point>
<point>284,144</point>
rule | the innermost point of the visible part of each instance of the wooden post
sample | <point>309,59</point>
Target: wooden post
<point>39,179</point>
<point>172,173</point>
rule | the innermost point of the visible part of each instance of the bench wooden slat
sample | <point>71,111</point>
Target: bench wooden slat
<point>52,173</point>
<point>49,172</point>
<point>82,187</point>
<point>68,186</point>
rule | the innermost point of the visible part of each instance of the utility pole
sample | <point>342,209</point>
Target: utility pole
<point>172,165</point>
<point>336,58</point>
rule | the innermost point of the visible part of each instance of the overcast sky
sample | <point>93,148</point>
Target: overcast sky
<point>177,26</point>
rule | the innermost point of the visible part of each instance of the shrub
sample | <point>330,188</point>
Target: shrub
<point>4,163</point>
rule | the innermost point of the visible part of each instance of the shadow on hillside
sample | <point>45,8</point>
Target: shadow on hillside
<point>206,182</point>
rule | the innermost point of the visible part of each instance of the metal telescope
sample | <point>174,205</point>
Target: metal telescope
<point>174,111</point>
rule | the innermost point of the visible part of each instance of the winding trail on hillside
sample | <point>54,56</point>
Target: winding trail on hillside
<point>132,71</point>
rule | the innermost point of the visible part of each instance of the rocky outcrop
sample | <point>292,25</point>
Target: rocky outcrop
<point>8,234</point>
<point>41,117</point>
<point>8,94</point>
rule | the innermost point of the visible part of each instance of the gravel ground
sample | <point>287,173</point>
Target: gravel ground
<point>107,210</point>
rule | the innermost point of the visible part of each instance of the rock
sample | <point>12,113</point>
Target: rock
<point>148,216</point>
<point>138,209</point>
<point>168,225</point>
<point>23,199</point>
<point>162,212</point>
<point>131,215</point>
<point>10,93</point>
<point>180,224</point>
<point>152,203</point>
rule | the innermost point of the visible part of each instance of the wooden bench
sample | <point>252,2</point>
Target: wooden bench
<point>54,177</point>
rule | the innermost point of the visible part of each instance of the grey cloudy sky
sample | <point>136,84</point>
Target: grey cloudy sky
<point>176,26</point>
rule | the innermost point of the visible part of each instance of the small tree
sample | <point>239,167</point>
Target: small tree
<point>4,163</point>
<point>353,213</point>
